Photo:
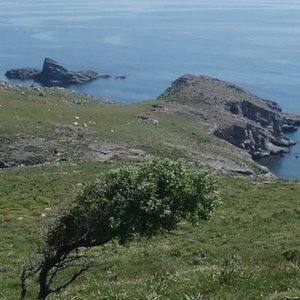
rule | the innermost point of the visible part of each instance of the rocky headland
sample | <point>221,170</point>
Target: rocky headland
<point>234,114</point>
<point>203,119</point>
<point>54,74</point>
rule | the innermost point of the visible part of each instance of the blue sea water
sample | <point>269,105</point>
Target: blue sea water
<point>253,43</point>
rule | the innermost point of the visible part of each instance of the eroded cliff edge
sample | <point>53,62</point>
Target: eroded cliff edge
<point>234,114</point>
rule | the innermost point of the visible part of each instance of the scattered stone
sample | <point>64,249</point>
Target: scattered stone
<point>147,119</point>
<point>157,107</point>
<point>263,170</point>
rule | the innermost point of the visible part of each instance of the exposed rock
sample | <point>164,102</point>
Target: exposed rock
<point>72,143</point>
<point>289,128</point>
<point>292,118</point>
<point>147,119</point>
<point>256,140</point>
<point>4,165</point>
<point>157,107</point>
<point>23,74</point>
<point>264,171</point>
<point>54,74</point>
<point>235,115</point>
<point>229,166</point>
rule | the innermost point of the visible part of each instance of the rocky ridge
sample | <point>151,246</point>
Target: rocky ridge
<point>234,114</point>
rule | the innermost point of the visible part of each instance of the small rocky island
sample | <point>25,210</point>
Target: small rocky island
<point>54,74</point>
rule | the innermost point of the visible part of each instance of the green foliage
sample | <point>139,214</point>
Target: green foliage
<point>137,200</point>
<point>125,202</point>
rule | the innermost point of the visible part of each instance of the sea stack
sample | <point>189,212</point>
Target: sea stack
<point>53,74</point>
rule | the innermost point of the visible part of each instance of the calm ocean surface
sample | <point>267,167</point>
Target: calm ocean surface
<point>253,43</point>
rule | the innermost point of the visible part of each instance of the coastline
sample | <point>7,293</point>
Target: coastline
<point>258,114</point>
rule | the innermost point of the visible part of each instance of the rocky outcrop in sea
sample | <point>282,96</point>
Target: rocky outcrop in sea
<point>54,74</point>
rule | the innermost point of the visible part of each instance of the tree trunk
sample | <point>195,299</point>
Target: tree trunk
<point>23,293</point>
<point>44,288</point>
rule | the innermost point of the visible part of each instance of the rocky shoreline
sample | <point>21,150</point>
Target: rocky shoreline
<point>237,116</point>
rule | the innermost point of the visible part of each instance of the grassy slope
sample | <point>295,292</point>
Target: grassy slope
<point>178,134</point>
<point>237,255</point>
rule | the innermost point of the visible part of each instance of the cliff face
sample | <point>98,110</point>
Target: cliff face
<point>235,115</point>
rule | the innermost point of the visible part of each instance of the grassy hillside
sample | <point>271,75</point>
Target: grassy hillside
<point>249,249</point>
<point>64,126</point>
<point>62,140</point>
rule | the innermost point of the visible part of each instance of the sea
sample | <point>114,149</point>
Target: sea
<point>253,43</point>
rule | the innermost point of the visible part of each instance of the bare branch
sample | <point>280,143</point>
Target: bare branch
<point>73,278</point>
<point>27,272</point>
<point>67,263</point>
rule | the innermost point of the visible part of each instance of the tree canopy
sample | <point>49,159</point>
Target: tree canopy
<point>132,200</point>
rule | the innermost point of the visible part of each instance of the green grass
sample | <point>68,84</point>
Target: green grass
<point>248,250</point>
<point>238,254</point>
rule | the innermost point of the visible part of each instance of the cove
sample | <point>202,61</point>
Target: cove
<point>288,165</point>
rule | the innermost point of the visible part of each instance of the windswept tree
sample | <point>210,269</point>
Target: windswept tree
<point>123,203</point>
